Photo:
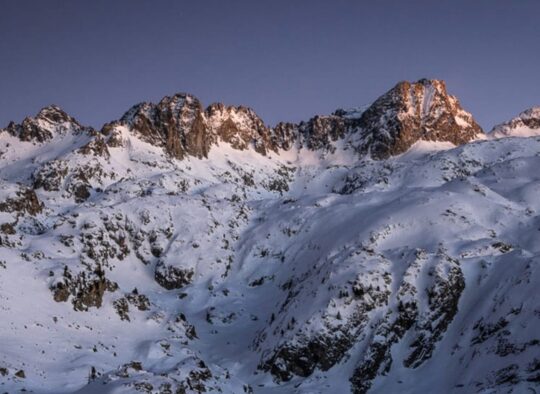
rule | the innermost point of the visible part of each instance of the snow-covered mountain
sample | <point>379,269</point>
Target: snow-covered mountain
<point>183,249</point>
<point>526,124</point>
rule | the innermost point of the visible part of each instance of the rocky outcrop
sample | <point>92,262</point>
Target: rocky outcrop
<point>24,201</point>
<point>50,176</point>
<point>323,347</point>
<point>139,301</point>
<point>411,112</point>
<point>50,121</point>
<point>425,322</point>
<point>377,358</point>
<point>170,277</point>
<point>328,347</point>
<point>183,128</point>
<point>86,288</point>
<point>96,147</point>
<point>526,124</point>
<point>176,123</point>
<point>443,299</point>
<point>190,375</point>
<point>318,133</point>
<point>379,309</point>
<point>238,126</point>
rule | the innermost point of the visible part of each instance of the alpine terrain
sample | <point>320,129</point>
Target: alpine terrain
<point>184,249</point>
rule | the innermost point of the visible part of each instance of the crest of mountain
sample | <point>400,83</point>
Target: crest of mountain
<point>391,125</point>
<point>415,111</point>
<point>49,122</point>
<point>526,124</point>
<point>183,128</point>
<point>408,113</point>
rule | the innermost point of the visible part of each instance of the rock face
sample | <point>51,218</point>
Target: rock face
<point>50,121</point>
<point>25,200</point>
<point>415,111</point>
<point>175,123</point>
<point>526,124</point>
<point>170,277</point>
<point>183,128</point>
<point>318,133</point>
<point>86,289</point>
<point>238,126</point>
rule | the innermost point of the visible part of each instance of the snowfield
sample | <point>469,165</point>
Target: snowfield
<point>299,271</point>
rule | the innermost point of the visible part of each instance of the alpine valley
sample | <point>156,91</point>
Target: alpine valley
<point>183,249</point>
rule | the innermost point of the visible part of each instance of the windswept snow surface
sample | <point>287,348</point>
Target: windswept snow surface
<point>282,249</point>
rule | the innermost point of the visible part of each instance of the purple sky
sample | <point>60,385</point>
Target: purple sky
<point>286,59</point>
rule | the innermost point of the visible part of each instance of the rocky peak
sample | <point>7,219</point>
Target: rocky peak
<point>391,125</point>
<point>175,123</point>
<point>415,111</point>
<point>183,128</point>
<point>181,117</point>
<point>525,124</point>
<point>239,126</point>
<point>48,122</point>
<point>55,114</point>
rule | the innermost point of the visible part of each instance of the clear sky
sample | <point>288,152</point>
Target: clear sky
<point>287,59</point>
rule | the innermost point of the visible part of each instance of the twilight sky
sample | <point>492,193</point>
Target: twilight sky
<point>287,59</point>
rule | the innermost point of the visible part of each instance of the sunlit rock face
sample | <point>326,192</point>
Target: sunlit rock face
<point>49,122</point>
<point>415,111</point>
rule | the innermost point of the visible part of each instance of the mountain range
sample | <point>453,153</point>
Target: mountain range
<point>184,249</point>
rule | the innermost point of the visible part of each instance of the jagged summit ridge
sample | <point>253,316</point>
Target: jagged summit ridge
<point>183,127</point>
<point>48,122</point>
<point>179,124</point>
